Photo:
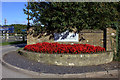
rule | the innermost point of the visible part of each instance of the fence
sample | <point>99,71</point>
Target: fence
<point>11,37</point>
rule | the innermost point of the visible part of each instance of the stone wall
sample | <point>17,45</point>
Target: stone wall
<point>93,37</point>
<point>111,40</point>
<point>32,40</point>
<point>69,59</point>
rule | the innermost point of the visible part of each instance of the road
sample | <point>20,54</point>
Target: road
<point>12,38</point>
<point>10,73</point>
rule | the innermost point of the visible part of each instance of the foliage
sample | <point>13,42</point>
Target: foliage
<point>12,43</point>
<point>116,25</point>
<point>118,42</point>
<point>59,16</point>
<point>18,27</point>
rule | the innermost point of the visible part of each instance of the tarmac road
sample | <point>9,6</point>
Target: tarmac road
<point>7,72</point>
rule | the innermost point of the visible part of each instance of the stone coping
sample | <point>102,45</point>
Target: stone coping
<point>69,59</point>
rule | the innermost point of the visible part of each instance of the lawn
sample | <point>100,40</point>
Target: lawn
<point>11,43</point>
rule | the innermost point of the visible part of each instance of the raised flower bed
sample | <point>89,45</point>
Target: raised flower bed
<point>51,48</point>
<point>67,54</point>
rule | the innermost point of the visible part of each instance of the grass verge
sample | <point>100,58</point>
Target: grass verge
<point>11,43</point>
<point>116,59</point>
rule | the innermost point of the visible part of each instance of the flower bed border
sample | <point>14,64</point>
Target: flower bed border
<point>69,59</point>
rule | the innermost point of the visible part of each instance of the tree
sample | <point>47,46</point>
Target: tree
<point>59,16</point>
<point>118,32</point>
<point>18,27</point>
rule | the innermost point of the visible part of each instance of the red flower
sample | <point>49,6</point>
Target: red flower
<point>46,47</point>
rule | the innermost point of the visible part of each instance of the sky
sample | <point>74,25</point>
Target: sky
<point>13,13</point>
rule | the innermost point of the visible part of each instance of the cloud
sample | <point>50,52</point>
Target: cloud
<point>24,22</point>
<point>0,22</point>
<point>19,22</point>
<point>16,22</point>
<point>24,0</point>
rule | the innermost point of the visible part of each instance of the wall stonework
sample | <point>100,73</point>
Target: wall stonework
<point>33,40</point>
<point>111,33</point>
<point>69,59</point>
<point>93,37</point>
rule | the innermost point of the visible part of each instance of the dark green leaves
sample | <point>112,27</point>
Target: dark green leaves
<point>60,16</point>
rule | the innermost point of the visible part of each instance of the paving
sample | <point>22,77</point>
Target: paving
<point>17,60</point>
